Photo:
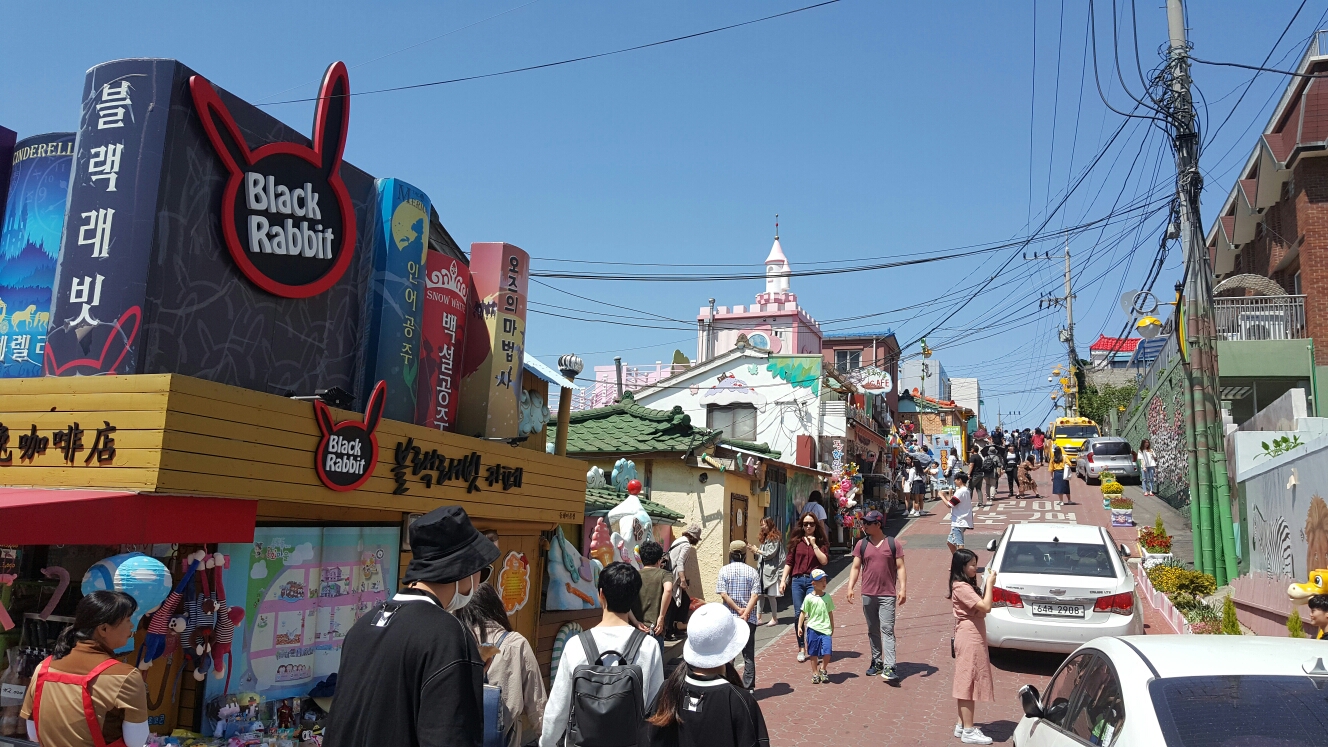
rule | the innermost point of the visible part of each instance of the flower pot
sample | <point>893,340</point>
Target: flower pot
<point>1122,517</point>
<point>1151,559</point>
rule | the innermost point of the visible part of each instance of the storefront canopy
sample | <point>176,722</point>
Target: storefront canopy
<point>49,516</point>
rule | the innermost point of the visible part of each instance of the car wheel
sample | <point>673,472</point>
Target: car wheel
<point>1093,481</point>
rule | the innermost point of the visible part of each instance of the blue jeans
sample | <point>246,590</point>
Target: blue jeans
<point>1148,479</point>
<point>802,586</point>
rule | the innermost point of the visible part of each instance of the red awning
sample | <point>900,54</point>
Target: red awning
<point>50,516</point>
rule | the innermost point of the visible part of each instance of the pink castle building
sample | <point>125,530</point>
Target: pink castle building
<point>774,322</point>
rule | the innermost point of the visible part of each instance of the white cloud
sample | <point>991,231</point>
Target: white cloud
<point>301,554</point>
<point>259,570</point>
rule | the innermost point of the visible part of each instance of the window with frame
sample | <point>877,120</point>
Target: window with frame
<point>737,421</point>
<point>1056,701</point>
<point>848,360</point>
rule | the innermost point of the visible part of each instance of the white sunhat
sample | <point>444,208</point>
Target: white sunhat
<point>714,636</point>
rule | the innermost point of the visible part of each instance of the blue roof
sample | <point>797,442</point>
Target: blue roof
<point>854,335</point>
<point>1148,350</point>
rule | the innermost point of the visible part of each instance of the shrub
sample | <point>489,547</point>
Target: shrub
<point>1205,627</point>
<point>1295,628</point>
<point>1230,625</point>
<point>1170,578</point>
<point>1121,503</point>
<point>1158,529</point>
<point>1112,488</point>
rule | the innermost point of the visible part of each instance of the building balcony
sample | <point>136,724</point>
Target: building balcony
<point>1260,318</point>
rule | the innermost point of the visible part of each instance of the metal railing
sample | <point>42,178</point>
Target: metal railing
<point>1148,382</point>
<point>1260,318</point>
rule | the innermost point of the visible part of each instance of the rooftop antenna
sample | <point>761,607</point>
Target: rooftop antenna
<point>776,226</point>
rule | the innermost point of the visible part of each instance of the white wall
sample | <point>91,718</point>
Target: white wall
<point>967,393</point>
<point>783,411</point>
<point>938,382</point>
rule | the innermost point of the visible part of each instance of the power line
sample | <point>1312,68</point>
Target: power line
<point>569,61</point>
<point>1260,68</point>
<point>1212,136</point>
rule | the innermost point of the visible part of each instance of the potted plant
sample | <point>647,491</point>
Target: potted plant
<point>1155,544</point>
<point>1111,490</point>
<point>1122,512</point>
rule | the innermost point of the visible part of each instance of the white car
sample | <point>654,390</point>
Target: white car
<point>1059,586</point>
<point>1182,690</point>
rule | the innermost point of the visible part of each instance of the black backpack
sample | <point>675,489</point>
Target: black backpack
<point>607,700</point>
<point>991,464</point>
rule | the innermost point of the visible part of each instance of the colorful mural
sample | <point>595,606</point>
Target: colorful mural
<point>801,371</point>
<point>1161,418</point>
<point>1288,519</point>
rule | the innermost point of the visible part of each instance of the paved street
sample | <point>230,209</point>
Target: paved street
<point>919,711</point>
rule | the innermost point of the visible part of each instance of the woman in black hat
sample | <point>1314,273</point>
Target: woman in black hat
<point>411,674</point>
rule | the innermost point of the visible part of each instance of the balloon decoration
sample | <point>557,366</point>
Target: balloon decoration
<point>846,484</point>
<point>141,577</point>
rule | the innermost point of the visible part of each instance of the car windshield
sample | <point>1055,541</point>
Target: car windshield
<point>1075,431</point>
<point>1059,558</point>
<point>1112,448</point>
<point>1241,711</point>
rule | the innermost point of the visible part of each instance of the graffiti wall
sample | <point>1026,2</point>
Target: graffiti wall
<point>1161,418</point>
<point>1288,521</point>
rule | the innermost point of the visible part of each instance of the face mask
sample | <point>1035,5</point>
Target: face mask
<point>460,600</point>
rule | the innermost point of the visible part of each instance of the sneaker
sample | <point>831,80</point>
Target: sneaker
<point>959,730</point>
<point>974,736</point>
<point>802,656</point>
<point>825,677</point>
<point>874,669</point>
<point>888,674</point>
<point>817,679</point>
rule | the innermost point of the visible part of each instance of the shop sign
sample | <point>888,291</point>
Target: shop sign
<point>68,443</point>
<point>491,393</point>
<point>872,380</point>
<point>348,451</point>
<point>285,214</point>
<point>447,293</point>
<point>434,468</point>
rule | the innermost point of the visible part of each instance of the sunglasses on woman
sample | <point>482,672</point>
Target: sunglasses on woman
<point>809,523</point>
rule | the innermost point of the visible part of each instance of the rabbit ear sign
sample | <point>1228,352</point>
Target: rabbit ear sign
<point>221,129</point>
<point>324,418</point>
<point>332,117</point>
<point>377,402</point>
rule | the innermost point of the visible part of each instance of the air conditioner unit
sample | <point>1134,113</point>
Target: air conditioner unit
<point>1262,325</point>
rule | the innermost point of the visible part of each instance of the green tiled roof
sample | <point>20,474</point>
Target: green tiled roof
<point>600,501</point>
<point>750,446</point>
<point>629,428</point>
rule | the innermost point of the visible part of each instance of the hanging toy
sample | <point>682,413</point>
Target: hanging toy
<point>202,613</point>
<point>162,623</point>
<point>227,619</point>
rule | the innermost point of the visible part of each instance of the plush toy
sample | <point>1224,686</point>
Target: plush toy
<point>1318,584</point>
<point>227,619</point>
<point>163,622</point>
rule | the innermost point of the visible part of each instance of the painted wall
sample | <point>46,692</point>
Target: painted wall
<point>678,486</point>
<point>1288,524</point>
<point>1161,418</point>
<point>783,389</point>
<point>788,330</point>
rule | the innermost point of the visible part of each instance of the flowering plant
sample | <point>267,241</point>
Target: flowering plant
<point>1154,542</point>
<point>1121,503</point>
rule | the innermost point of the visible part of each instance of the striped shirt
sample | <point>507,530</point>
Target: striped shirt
<point>739,581</point>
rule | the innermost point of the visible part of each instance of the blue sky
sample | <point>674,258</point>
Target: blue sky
<point>875,129</point>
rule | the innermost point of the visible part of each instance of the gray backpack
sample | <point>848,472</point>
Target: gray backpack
<point>607,700</point>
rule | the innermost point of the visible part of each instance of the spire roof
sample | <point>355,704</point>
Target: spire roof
<point>777,254</point>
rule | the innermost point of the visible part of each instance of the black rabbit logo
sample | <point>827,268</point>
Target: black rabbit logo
<point>348,450</point>
<point>286,216</point>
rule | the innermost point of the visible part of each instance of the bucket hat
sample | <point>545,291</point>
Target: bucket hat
<point>446,547</point>
<point>714,636</point>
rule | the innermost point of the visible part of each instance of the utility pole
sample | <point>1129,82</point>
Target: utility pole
<point>1210,493</point>
<point>1067,334</point>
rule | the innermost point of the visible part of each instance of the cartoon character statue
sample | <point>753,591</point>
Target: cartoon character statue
<point>1317,584</point>
<point>571,580</point>
<point>633,527</point>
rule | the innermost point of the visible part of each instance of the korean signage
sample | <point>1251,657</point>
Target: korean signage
<point>396,297</point>
<point>101,280</point>
<point>447,293</point>
<point>72,445</point>
<point>34,217</point>
<point>490,396</point>
<point>434,468</point>
<point>285,212</point>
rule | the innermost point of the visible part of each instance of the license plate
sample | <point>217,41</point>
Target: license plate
<point>1059,610</point>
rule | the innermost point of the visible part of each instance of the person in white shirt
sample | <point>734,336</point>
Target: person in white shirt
<point>961,512</point>
<point>619,587</point>
<point>1147,467</point>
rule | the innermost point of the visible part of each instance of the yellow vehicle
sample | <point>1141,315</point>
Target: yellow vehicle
<point>1070,434</point>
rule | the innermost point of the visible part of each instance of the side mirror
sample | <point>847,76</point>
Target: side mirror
<point>1124,551</point>
<point>1031,701</point>
<point>993,544</point>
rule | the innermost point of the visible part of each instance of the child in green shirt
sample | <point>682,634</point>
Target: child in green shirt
<point>817,624</point>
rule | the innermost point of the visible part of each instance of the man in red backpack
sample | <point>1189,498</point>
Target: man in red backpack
<point>879,562</point>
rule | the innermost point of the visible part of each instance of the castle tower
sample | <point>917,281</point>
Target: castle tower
<point>776,269</point>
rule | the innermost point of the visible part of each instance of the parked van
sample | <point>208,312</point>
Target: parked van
<point>1070,434</point>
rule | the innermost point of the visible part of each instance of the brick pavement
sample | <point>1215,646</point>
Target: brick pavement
<point>920,710</point>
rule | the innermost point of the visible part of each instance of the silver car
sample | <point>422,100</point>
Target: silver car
<point>1106,453</point>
